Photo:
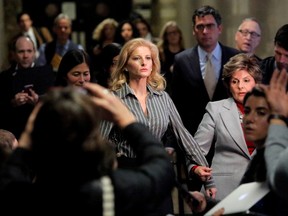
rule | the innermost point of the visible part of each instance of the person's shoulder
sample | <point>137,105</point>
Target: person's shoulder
<point>267,65</point>
<point>43,46</point>
<point>7,71</point>
<point>229,49</point>
<point>44,68</point>
<point>220,103</point>
<point>185,53</point>
<point>268,59</point>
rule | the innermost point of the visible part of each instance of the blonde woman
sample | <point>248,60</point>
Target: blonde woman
<point>138,82</point>
<point>103,34</point>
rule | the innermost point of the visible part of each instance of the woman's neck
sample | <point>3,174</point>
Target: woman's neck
<point>174,48</point>
<point>139,86</point>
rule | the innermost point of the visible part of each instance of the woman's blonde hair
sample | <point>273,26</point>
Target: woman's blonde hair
<point>98,31</point>
<point>120,76</point>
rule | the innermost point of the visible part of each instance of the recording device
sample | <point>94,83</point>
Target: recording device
<point>27,88</point>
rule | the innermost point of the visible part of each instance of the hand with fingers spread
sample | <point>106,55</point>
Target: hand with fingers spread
<point>276,93</point>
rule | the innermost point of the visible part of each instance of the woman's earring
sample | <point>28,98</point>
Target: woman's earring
<point>125,69</point>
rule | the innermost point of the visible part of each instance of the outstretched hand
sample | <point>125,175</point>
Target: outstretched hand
<point>276,92</point>
<point>110,106</point>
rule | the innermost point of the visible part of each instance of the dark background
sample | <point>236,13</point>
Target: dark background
<point>86,16</point>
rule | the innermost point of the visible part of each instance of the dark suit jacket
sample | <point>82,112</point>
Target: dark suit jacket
<point>267,66</point>
<point>137,191</point>
<point>12,82</point>
<point>188,89</point>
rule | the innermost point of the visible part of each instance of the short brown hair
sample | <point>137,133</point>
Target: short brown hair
<point>242,61</point>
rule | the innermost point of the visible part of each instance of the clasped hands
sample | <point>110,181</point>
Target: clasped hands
<point>23,97</point>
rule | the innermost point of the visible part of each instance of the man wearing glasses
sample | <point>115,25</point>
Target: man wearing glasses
<point>248,36</point>
<point>189,92</point>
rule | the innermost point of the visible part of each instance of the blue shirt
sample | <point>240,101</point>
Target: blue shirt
<point>216,60</point>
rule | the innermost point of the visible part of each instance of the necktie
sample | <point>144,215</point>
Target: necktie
<point>210,77</point>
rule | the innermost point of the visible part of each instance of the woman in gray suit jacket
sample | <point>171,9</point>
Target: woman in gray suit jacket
<point>220,130</point>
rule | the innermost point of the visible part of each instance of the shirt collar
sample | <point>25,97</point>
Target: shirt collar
<point>17,66</point>
<point>126,90</point>
<point>216,53</point>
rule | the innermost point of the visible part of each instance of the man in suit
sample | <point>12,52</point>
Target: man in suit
<point>16,101</point>
<point>38,35</point>
<point>52,52</point>
<point>189,92</point>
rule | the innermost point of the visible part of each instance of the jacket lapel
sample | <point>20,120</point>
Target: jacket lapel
<point>230,117</point>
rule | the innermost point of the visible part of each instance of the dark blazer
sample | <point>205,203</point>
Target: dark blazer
<point>267,66</point>
<point>12,81</point>
<point>137,191</point>
<point>188,89</point>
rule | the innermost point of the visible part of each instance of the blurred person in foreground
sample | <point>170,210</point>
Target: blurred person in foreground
<point>76,172</point>
<point>276,152</point>
<point>8,143</point>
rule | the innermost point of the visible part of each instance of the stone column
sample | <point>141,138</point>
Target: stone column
<point>2,35</point>
<point>8,27</point>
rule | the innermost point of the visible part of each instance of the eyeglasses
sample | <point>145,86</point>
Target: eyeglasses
<point>209,26</point>
<point>245,33</point>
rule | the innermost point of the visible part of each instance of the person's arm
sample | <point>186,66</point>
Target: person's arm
<point>193,152</point>
<point>204,136</point>
<point>276,154</point>
<point>154,178</point>
<point>276,151</point>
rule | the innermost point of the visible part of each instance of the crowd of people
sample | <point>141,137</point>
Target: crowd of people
<point>98,126</point>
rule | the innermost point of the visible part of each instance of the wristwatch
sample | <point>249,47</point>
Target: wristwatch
<point>278,116</point>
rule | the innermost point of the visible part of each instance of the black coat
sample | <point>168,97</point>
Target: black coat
<point>12,82</point>
<point>137,191</point>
